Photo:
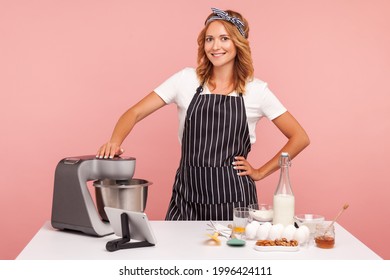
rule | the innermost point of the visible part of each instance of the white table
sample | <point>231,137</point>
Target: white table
<point>185,240</point>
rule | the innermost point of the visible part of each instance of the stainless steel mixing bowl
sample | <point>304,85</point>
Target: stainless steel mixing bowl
<point>123,194</point>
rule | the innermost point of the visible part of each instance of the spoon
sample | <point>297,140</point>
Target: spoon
<point>233,240</point>
<point>335,219</point>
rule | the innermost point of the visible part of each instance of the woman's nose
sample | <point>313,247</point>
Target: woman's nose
<point>216,44</point>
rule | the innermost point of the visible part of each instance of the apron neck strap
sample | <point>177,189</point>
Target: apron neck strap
<point>199,89</point>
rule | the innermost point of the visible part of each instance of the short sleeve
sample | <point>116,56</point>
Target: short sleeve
<point>169,89</point>
<point>271,107</point>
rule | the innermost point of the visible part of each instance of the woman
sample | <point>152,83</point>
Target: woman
<point>219,105</point>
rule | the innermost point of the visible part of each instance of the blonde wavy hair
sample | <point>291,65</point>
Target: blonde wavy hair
<point>243,64</point>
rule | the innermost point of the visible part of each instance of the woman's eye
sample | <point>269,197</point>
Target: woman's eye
<point>209,39</point>
<point>225,38</point>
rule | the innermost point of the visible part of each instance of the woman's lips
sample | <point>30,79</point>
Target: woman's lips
<point>217,54</point>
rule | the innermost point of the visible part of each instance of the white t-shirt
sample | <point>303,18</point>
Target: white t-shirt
<point>259,100</point>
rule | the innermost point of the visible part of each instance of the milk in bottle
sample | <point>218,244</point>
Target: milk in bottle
<point>284,201</point>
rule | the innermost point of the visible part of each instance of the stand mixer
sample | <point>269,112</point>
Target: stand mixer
<point>73,207</point>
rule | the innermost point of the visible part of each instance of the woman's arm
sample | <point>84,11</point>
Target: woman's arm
<point>127,121</point>
<point>297,141</point>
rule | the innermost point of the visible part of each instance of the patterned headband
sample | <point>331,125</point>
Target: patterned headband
<point>222,15</point>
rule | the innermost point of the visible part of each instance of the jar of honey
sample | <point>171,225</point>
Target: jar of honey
<point>324,236</point>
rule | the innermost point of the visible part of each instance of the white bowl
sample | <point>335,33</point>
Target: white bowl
<point>261,212</point>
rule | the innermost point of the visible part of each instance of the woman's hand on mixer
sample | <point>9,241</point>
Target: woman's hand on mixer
<point>109,150</point>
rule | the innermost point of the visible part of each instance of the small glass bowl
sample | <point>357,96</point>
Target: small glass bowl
<point>261,212</point>
<point>309,220</point>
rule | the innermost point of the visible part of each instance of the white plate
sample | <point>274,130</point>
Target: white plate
<point>277,248</point>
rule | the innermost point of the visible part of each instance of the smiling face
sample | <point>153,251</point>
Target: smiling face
<point>218,46</point>
<point>221,44</point>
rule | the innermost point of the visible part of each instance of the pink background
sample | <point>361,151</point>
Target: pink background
<point>69,69</point>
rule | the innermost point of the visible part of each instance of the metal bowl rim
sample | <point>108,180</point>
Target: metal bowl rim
<point>123,184</point>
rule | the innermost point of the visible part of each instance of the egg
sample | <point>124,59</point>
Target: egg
<point>256,225</point>
<point>267,225</point>
<point>262,232</point>
<point>280,227</point>
<point>307,231</point>
<point>275,231</point>
<point>300,235</point>
<point>251,230</point>
<point>288,232</point>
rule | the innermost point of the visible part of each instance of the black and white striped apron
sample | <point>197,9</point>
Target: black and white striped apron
<point>206,186</point>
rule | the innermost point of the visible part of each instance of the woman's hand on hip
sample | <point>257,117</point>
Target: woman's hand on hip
<point>244,168</point>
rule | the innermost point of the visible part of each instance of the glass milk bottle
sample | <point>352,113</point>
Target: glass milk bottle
<point>284,201</point>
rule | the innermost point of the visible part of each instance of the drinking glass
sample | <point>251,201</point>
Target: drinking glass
<point>240,220</point>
